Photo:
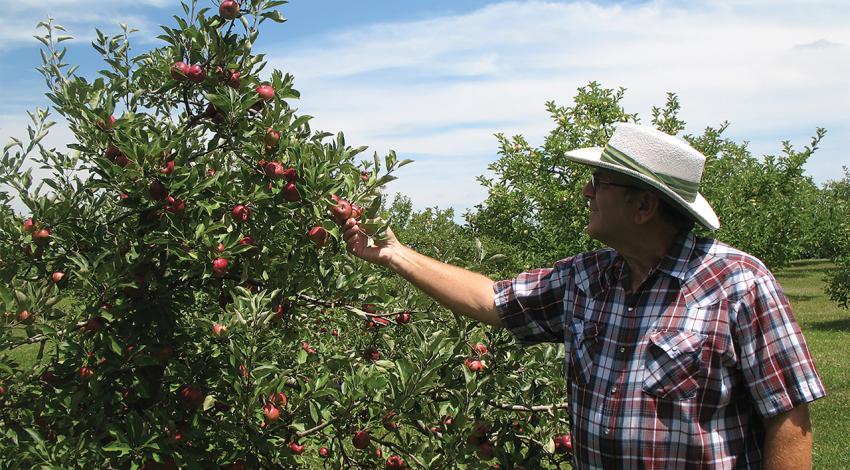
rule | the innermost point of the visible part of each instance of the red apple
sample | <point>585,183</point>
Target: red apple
<point>266,92</point>
<point>2,390</point>
<point>403,317</point>
<point>233,80</point>
<point>57,277</point>
<point>271,412</point>
<point>279,399</point>
<point>24,316</point>
<point>219,267</point>
<point>296,448</point>
<point>191,396</point>
<point>167,167</point>
<point>85,372</point>
<point>241,212</point>
<point>174,205</point>
<point>122,160</point>
<point>219,329</point>
<point>390,421</point>
<point>179,71</point>
<point>196,73</point>
<point>157,190</point>
<point>341,211</point>
<point>290,193</point>
<point>112,152</point>
<point>221,248</point>
<point>93,325</point>
<point>274,170</point>
<point>563,443</point>
<point>41,237</point>
<point>272,137</point>
<point>279,311</point>
<point>480,348</point>
<point>394,462</point>
<point>324,452</point>
<point>246,240</point>
<point>106,126</point>
<point>318,235</point>
<point>29,225</point>
<point>361,439</point>
<point>229,9</point>
<point>290,175</point>
<point>474,365</point>
<point>485,450</point>
<point>372,354</point>
<point>356,211</point>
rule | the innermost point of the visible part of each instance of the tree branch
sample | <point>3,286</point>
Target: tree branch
<point>511,407</point>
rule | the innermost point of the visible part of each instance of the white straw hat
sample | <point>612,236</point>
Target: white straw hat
<point>660,160</point>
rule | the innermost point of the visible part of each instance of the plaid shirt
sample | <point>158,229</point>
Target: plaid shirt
<point>678,374</point>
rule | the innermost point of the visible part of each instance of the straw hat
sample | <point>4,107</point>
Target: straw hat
<point>662,161</point>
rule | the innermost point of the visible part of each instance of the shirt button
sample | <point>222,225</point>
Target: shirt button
<point>607,431</point>
<point>621,350</point>
<point>613,390</point>
<point>631,309</point>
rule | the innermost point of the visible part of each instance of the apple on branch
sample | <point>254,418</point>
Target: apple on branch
<point>196,73</point>
<point>266,92</point>
<point>180,71</point>
<point>361,439</point>
<point>219,267</point>
<point>229,9</point>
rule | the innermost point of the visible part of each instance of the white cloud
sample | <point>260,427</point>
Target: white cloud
<point>79,17</point>
<point>443,86</point>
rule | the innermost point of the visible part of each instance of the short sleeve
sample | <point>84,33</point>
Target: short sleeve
<point>531,305</point>
<point>775,360</point>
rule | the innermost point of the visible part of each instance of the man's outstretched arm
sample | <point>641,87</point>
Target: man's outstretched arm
<point>460,290</point>
<point>788,440</point>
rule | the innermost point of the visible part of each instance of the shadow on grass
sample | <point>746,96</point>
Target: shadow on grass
<point>833,325</point>
<point>800,298</point>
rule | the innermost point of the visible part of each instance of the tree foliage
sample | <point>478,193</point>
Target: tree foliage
<point>153,352</point>
<point>767,206</point>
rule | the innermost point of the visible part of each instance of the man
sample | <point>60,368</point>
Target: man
<point>682,352</point>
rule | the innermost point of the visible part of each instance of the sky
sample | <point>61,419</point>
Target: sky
<point>435,80</point>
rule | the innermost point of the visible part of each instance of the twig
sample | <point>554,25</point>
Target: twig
<point>511,407</point>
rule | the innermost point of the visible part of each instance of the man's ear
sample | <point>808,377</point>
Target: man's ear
<point>647,207</point>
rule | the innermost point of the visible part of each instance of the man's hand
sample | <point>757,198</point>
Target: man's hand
<point>357,243</point>
<point>462,291</point>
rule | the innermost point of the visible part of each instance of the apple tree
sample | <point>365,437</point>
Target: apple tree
<point>177,295</point>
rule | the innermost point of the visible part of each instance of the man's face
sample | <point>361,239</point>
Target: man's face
<point>610,211</point>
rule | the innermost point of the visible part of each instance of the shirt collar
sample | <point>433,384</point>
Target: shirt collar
<point>675,263</point>
<point>678,257</point>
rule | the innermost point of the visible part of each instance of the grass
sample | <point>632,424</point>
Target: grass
<point>826,327</point>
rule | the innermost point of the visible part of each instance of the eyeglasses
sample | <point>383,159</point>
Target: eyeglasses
<point>595,182</point>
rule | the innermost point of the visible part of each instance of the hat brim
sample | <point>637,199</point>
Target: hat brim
<point>700,209</point>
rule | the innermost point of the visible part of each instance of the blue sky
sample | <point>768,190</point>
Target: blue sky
<point>434,80</point>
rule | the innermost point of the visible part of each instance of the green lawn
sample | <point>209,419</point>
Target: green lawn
<point>827,331</point>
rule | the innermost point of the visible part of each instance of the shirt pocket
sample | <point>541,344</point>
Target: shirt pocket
<point>673,362</point>
<point>584,337</point>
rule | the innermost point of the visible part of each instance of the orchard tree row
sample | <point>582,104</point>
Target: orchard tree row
<point>177,295</point>
<point>768,206</point>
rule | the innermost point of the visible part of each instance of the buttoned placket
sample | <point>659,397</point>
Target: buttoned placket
<point>614,394</point>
